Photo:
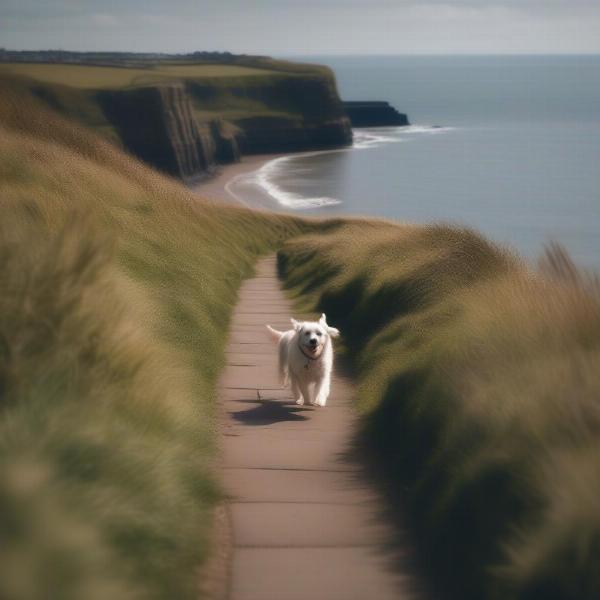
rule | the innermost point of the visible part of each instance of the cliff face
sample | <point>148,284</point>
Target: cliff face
<point>262,135</point>
<point>280,113</point>
<point>171,127</point>
<point>309,115</point>
<point>374,114</point>
<point>186,118</point>
<point>158,125</point>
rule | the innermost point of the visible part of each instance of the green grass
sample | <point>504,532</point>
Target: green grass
<point>117,286</point>
<point>249,87</point>
<point>200,71</point>
<point>479,392</point>
<point>96,77</point>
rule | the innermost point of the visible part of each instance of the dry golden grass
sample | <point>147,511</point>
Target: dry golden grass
<point>480,390</point>
<point>117,285</point>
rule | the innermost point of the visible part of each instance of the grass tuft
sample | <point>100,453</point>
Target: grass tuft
<point>479,394</point>
<point>117,286</point>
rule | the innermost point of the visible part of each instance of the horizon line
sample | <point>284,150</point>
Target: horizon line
<point>276,54</point>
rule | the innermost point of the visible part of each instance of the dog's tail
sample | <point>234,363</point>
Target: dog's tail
<point>275,335</point>
<point>283,359</point>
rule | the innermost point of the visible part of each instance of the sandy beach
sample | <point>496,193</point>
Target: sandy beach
<point>215,188</point>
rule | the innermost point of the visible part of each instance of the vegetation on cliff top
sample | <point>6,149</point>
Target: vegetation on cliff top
<point>214,111</point>
<point>73,90</point>
<point>100,77</point>
<point>117,286</point>
<point>152,59</point>
<point>479,389</point>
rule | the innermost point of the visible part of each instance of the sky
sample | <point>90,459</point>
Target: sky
<point>319,27</point>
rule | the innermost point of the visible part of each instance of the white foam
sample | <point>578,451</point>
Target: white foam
<point>265,178</point>
<point>370,139</point>
<point>433,129</point>
<point>364,139</point>
<point>373,137</point>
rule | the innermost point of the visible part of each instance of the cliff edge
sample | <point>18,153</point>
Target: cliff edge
<point>187,117</point>
<point>374,114</point>
<point>158,125</point>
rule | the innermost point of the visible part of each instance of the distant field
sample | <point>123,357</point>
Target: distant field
<point>192,71</point>
<point>93,77</point>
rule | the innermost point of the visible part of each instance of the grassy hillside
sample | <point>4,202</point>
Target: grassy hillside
<point>222,91</point>
<point>480,393</point>
<point>117,286</point>
<point>99,77</point>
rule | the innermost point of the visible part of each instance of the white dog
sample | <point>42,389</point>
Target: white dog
<point>306,359</point>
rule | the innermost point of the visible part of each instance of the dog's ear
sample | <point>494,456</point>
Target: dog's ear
<point>333,332</point>
<point>295,324</point>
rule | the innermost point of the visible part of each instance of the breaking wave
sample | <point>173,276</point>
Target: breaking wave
<point>269,176</point>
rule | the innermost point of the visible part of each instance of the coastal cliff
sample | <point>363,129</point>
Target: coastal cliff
<point>302,113</point>
<point>374,114</point>
<point>158,125</point>
<point>188,128</point>
<point>186,117</point>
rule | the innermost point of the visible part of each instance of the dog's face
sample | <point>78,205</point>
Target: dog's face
<point>313,335</point>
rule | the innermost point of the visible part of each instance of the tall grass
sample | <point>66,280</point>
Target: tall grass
<point>116,289</point>
<point>480,392</point>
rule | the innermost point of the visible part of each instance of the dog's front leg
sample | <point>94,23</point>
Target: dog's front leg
<point>304,389</point>
<point>296,391</point>
<point>322,391</point>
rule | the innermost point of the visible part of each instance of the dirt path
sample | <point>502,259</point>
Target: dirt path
<point>304,524</point>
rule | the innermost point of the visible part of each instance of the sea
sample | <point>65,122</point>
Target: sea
<point>507,145</point>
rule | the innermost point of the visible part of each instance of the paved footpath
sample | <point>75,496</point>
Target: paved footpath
<point>305,525</point>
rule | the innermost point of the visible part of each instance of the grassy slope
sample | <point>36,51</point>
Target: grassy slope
<point>117,288</point>
<point>479,387</point>
<point>71,89</point>
<point>97,77</point>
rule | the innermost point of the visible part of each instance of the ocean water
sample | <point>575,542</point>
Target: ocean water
<point>507,145</point>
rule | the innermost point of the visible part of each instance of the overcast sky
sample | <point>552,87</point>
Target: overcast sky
<point>286,27</point>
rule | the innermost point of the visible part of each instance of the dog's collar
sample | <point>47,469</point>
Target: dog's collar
<point>306,355</point>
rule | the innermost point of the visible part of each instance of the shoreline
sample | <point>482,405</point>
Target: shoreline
<point>215,187</point>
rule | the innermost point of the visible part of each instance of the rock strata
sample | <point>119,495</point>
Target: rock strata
<point>157,125</point>
<point>163,124</point>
